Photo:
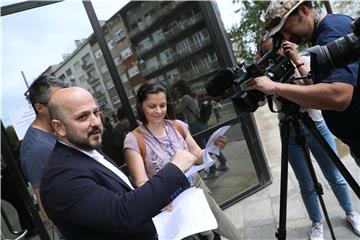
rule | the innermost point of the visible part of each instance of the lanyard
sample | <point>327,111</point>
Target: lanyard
<point>170,150</point>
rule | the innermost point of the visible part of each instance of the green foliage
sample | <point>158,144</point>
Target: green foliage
<point>250,29</point>
<point>247,34</point>
<point>13,139</point>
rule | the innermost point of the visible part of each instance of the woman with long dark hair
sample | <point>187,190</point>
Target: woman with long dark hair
<point>162,136</point>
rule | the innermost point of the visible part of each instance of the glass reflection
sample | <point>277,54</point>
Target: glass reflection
<point>240,174</point>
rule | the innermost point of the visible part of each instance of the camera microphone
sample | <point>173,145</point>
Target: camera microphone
<point>223,80</point>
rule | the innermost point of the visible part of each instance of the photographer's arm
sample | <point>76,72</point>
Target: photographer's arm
<point>326,96</point>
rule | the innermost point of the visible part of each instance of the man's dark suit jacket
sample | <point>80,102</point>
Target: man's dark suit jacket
<point>86,200</point>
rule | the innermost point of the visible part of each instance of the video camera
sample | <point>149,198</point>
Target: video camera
<point>278,68</point>
<point>339,53</point>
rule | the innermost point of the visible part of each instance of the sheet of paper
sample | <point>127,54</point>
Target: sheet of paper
<point>208,161</point>
<point>191,214</point>
<point>210,148</point>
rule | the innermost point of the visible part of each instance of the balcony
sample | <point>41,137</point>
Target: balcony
<point>176,56</point>
<point>86,65</point>
<point>98,94</point>
<point>92,79</point>
<point>144,24</point>
<point>200,71</point>
<point>191,21</point>
<point>149,21</point>
<point>171,33</point>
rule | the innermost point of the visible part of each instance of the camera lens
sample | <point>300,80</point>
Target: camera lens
<point>338,53</point>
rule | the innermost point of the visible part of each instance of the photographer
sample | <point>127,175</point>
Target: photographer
<point>336,95</point>
<point>295,154</point>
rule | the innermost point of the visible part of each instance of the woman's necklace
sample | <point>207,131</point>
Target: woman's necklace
<point>170,150</point>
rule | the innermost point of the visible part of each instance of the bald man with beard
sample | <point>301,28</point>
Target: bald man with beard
<point>82,190</point>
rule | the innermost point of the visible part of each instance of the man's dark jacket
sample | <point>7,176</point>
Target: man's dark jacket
<point>86,200</point>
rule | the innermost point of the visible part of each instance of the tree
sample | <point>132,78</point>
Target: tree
<point>13,140</point>
<point>250,29</point>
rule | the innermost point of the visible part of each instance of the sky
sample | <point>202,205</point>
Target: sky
<point>33,40</point>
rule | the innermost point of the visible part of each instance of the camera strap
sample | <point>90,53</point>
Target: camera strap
<point>270,103</point>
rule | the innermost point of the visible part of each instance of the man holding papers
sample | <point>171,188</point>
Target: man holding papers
<point>82,190</point>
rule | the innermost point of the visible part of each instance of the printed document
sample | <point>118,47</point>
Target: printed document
<point>210,148</point>
<point>191,214</point>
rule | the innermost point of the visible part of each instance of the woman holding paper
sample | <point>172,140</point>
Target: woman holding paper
<point>151,146</point>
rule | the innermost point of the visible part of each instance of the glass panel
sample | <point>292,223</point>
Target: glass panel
<point>240,174</point>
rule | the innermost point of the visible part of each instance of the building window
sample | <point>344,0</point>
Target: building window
<point>115,99</point>
<point>104,69</point>
<point>117,60</point>
<point>62,77</point>
<point>98,54</point>
<point>109,85</point>
<point>92,75</point>
<point>82,79</point>
<point>98,91</point>
<point>119,35</point>
<point>133,71</point>
<point>130,93</point>
<point>111,44</point>
<point>86,59</point>
<point>123,78</point>
<point>77,66</point>
<point>103,104</point>
<point>68,72</point>
<point>126,53</point>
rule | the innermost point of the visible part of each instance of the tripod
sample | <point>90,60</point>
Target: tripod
<point>293,117</point>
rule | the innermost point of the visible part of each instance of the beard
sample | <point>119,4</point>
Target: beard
<point>84,142</point>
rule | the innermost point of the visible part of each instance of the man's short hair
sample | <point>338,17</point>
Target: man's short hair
<point>40,88</point>
<point>277,13</point>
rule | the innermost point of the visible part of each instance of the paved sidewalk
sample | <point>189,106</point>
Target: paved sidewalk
<point>257,216</point>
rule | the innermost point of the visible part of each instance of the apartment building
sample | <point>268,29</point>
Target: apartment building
<point>171,41</point>
<point>86,67</point>
<point>124,58</point>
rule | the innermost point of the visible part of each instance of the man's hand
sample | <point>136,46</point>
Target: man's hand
<point>168,208</point>
<point>221,142</point>
<point>263,84</point>
<point>183,159</point>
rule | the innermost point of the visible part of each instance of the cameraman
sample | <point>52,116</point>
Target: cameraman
<point>337,95</point>
<point>297,159</point>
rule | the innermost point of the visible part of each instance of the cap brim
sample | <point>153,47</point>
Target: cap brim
<point>277,28</point>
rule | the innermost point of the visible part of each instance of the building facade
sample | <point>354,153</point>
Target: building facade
<point>171,41</point>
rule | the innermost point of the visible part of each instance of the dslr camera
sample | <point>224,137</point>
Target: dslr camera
<point>278,68</point>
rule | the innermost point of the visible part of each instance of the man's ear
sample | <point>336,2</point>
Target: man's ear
<point>59,127</point>
<point>40,108</point>
<point>304,10</point>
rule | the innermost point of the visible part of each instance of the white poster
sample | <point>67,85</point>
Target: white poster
<point>21,118</point>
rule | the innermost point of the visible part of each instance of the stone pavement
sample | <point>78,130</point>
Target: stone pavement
<point>257,216</point>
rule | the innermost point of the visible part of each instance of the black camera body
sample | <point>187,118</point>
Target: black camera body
<point>338,53</point>
<point>278,68</point>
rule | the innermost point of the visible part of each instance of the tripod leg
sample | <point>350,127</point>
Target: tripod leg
<point>314,131</point>
<point>300,139</point>
<point>284,130</point>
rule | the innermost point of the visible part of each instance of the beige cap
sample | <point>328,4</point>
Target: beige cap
<point>277,13</point>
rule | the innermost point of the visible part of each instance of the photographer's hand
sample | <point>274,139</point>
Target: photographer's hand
<point>263,84</point>
<point>290,50</point>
